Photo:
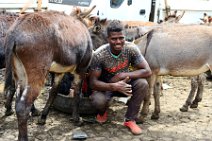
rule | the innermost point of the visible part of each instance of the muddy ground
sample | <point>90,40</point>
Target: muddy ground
<point>173,125</point>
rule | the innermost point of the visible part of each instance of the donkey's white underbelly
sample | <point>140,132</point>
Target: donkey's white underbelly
<point>58,68</point>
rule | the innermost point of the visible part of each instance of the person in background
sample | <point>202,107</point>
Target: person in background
<point>205,18</point>
<point>110,75</point>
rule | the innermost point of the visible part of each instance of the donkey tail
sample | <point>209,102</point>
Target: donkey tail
<point>13,63</point>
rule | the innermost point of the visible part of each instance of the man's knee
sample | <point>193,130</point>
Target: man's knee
<point>142,84</point>
<point>141,88</point>
<point>99,100</point>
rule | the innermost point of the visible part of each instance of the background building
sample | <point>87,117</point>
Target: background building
<point>130,10</point>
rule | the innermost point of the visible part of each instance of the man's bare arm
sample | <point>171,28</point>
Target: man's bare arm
<point>120,86</point>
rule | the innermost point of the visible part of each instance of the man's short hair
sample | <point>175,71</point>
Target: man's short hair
<point>114,26</point>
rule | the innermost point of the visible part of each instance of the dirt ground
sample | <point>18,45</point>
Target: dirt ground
<point>173,125</point>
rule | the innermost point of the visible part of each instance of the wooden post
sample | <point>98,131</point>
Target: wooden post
<point>39,5</point>
<point>26,5</point>
<point>167,8</point>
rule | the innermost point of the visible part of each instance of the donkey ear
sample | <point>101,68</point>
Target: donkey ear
<point>97,28</point>
<point>103,21</point>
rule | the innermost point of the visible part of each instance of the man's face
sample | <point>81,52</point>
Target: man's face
<point>116,41</point>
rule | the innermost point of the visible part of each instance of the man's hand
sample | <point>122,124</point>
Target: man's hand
<point>123,87</point>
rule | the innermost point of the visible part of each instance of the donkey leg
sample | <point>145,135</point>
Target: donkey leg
<point>76,100</point>
<point>145,109</point>
<point>23,106</point>
<point>156,94</point>
<point>190,97</point>
<point>9,91</point>
<point>200,80</point>
<point>50,79</point>
<point>8,104</point>
<point>9,94</point>
<point>146,103</point>
<point>52,95</point>
<point>34,111</point>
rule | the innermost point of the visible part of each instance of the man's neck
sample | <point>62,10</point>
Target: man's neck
<point>115,55</point>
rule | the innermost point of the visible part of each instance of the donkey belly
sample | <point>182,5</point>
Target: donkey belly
<point>58,68</point>
<point>183,71</point>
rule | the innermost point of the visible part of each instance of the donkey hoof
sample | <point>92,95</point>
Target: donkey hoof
<point>194,105</point>
<point>155,117</point>
<point>140,120</point>
<point>184,109</point>
<point>35,113</point>
<point>41,121</point>
<point>77,121</point>
<point>9,112</point>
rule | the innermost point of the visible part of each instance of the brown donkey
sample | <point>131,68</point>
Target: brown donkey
<point>41,42</point>
<point>6,20</point>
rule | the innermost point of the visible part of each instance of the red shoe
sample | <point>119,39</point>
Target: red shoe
<point>134,128</point>
<point>101,118</point>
